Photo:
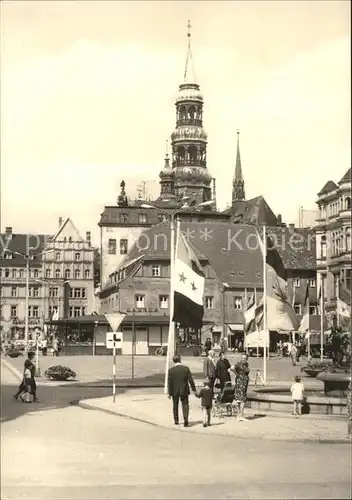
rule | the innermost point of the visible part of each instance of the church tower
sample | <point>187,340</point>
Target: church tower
<point>189,139</point>
<point>238,193</point>
<point>167,180</point>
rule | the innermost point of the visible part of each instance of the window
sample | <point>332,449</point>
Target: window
<point>14,291</point>
<point>7,273</point>
<point>21,273</point>
<point>0,272</point>
<point>67,274</point>
<point>209,302</point>
<point>53,292</point>
<point>33,311</point>
<point>77,256</point>
<point>156,270</point>
<point>311,283</point>
<point>296,282</point>
<point>142,218</point>
<point>8,255</point>
<point>57,273</point>
<point>14,273</point>
<point>123,246</point>
<point>70,312</point>
<point>162,217</point>
<point>298,308</point>
<point>123,218</point>
<point>13,311</point>
<point>79,293</point>
<point>323,247</point>
<point>87,274</point>
<point>112,247</point>
<point>83,311</point>
<point>348,239</point>
<point>237,302</point>
<point>34,291</point>
<point>77,274</point>
<point>48,273</point>
<point>164,301</point>
<point>58,256</point>
<point>70,239</point>
<point>36,273</point>
<point>140,301</point>
<point>313,310</point>
<point>77,311</point>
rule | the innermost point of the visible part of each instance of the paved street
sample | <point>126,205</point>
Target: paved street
<point>56,450</point>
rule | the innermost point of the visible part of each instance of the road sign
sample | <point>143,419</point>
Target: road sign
<point>114,337</point>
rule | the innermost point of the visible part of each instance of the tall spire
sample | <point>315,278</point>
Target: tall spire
<point>189,74</point>
<point>238,192</point>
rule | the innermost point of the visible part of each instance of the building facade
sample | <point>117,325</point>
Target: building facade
<point>61,278</point>
<point>333,238</point>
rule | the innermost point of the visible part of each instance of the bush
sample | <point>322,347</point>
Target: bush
<point>59,372</point>
<point>324,366</point>
<point>14,353</point>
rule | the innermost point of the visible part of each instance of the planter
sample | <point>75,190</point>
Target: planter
<point>311,373</point>
<point>14,354</point>
<point>59,377</point>
<point>335,384</point>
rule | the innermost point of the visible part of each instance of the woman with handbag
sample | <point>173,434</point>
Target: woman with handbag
<point>222,371</point>
<point>241,370</point>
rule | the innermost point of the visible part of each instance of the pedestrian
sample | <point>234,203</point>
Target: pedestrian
<point>241,370</point>
<point>209,369</point>
<point>55,347</point>
<point>28,385</point>
<point>349,410</point>
<point>206,395</point>
<point>179,380</point>
<point>293,355</point>
<point>44,347</point>
<point>207,346</point>
<point>297,391</point>
<point>222,370</point>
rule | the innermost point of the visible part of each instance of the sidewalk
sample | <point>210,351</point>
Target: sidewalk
<point>156,409</point>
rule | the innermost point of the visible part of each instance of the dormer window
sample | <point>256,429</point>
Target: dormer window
<point>8,255</point>
<point>123,218</point>
<point>142,218</point>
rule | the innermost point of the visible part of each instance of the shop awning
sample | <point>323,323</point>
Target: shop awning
<point>236,327</point>
<point>217,329</point>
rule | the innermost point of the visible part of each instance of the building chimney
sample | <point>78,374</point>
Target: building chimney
<point>88,239</point>
<point>279,219</point>
<point>60,222</point>
<point>8,230</point>
<point>291,226</point>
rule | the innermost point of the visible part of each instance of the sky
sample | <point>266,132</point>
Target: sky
<point>88,91</point>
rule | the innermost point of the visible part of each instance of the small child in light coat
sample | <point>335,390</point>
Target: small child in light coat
<point>297,390</point>
<point>206,395</point>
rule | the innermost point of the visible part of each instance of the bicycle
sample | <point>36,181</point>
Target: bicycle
<point>161,351</point>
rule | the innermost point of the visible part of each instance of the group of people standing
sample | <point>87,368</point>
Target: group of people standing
<point>217,376</point>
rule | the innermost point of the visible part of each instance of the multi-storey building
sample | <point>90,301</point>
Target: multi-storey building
<point>61,278</point>
<point>333,238</point>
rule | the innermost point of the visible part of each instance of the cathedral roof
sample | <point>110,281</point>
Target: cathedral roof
<point>255,211</point>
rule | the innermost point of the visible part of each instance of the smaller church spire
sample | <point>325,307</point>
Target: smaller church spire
<point>189,74</point>
<point>238,192</point>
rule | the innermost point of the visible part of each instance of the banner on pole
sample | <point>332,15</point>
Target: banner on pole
<point>115,320</point>
<point>257,339</point>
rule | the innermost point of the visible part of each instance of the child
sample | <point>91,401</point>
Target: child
<point>206,394</point>
<point>297,390</point>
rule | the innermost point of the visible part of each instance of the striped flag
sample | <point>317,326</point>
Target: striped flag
<point>280,313</point>
<point>249,315</point>
<point>188,286</point>
<point>343,309</point>
<point>304,325</point>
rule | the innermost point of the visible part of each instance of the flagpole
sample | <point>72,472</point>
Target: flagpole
<point>337,302</point>
<point>256,326</point>
<point>308,325</point>
<point>264,303</point>
<point>171,336</point>
<point>321,318</point>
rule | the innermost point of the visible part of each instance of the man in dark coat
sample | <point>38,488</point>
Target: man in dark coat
<point>222,370</point>
<point>209,368</point>
<point>179,380</point>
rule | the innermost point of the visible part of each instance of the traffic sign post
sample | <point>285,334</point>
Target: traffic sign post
<point>113,340</point>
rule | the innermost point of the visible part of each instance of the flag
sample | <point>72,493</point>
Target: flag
<point>293,294</point>
<point>249,315</point>
<point>188,286</point>
<point>280,314</point>
<point>304,325</point>
<point>343,309</point>
<point>259,315</point>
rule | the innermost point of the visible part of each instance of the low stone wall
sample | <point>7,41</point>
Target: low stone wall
<point>270,399</point>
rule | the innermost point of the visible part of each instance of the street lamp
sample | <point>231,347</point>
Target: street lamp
<point>28,257</point>
<point>172,218</point>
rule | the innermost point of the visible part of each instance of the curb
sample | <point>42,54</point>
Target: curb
<point>12,369</point>
<point>86,406</point>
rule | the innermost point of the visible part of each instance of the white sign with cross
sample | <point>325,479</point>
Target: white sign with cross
<point>114,338</point>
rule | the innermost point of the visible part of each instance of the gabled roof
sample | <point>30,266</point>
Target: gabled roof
<point>254,211</point>
<point>328,188</point>
<point>346,177</point>
<point>21,243</point>
<point>66,226</point>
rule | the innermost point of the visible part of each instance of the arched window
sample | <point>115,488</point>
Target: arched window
<point>348,239</point>
<point>191,112</point>
<point>77,274</point>
<point>77,256</point>
<point>348,203</point>
<point>70,239</point>
<point>323,247</point>
<point>87,274</point>
<point>67,274</point>
<point>58,256</point>
<point>57,273</point>
<point>192,151</point>
<point>182,113</point>
<point>65,240</point>
<point>48,273</point>
<point>14,273</point>
<point>181,152</point>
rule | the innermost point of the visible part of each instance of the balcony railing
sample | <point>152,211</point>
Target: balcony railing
<point>184,163</point>
<point>189,121</point>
